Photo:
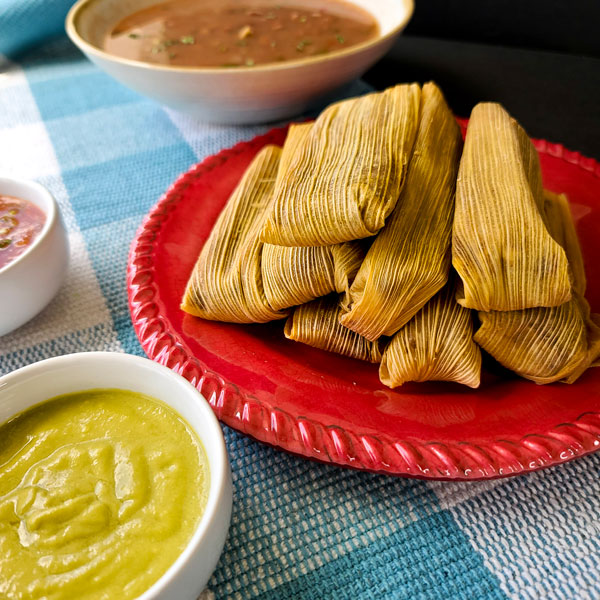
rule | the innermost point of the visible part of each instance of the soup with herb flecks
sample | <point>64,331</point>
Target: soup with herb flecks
<point>238,33</point>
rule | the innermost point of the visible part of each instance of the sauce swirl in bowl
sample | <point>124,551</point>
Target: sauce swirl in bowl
<point>100,491</point>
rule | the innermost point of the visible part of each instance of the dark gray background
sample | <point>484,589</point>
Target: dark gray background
<point>541,60</point>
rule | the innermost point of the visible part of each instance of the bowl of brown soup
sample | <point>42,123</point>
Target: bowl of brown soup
<point>236,61</point>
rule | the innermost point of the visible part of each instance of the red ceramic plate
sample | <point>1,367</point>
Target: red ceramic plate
<point>333,409</point>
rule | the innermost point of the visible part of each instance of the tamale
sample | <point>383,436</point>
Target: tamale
<point>547,344</point>
<point>501,248</point>
<point>294,140</point>
<point>226,282</point>
<point>435,345</point>
<point>561,227</point>
<point>345,178</point>
<point>298,274</point>
<point>317,324</point>
<point>409,260</point>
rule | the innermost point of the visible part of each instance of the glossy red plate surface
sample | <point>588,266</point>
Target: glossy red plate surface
<point>334,409</point>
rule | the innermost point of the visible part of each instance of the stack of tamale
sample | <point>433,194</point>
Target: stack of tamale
<point>238,278</point>
<point>345,179</point>
<point>516,250</point>
<point>293,275</point>
<point>547,344</point>
<point>381,239</point>
<point>409,260</point>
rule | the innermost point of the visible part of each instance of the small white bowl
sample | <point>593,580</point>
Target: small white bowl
<point>245,94</point>
<point>26,387</point>
<point>30,281</point>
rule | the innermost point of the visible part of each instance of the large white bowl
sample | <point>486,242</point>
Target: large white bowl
<point>245,94</point>
<point>30,281</point>
<point>33,384</point>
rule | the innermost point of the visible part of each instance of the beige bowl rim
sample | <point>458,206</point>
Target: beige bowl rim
<point>88,48</point>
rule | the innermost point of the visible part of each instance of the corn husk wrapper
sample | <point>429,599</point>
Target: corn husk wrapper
<point>317,324</point>
<point>294,140</point>
<point>559,222</point>
<point>501,248</point>
<point>409,260</point>
<point>226,283</point>
<point>547,344</point>
<point>435,345</point>
<point>295,275</point>
<point>345,178</point>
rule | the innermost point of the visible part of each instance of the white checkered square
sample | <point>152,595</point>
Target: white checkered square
<point>79,305</point>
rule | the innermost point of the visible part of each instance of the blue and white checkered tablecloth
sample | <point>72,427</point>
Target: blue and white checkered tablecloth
<point>299,529</point>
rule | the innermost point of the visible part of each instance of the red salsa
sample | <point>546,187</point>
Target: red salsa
<point>238,33</point>
<point>20,223</point>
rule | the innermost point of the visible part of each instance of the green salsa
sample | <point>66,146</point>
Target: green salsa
<point>100,491</point>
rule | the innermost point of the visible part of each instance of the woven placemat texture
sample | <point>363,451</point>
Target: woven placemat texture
<point>299,529</point>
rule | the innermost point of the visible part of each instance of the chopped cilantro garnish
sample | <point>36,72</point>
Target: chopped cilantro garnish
<point>340,38</point>
<point>161,46</point>
<point>300,47</point>
<point>188,39</point>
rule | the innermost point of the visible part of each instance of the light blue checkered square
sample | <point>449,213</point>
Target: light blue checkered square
<point>299,529</point>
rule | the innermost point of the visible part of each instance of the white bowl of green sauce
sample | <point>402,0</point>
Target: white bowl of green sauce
<point>114,481</point>
<point>247,87</point>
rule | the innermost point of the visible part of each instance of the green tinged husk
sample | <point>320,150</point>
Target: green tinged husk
<point>409,260</point>
<point>345,178</point>
<point>501,248</point>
